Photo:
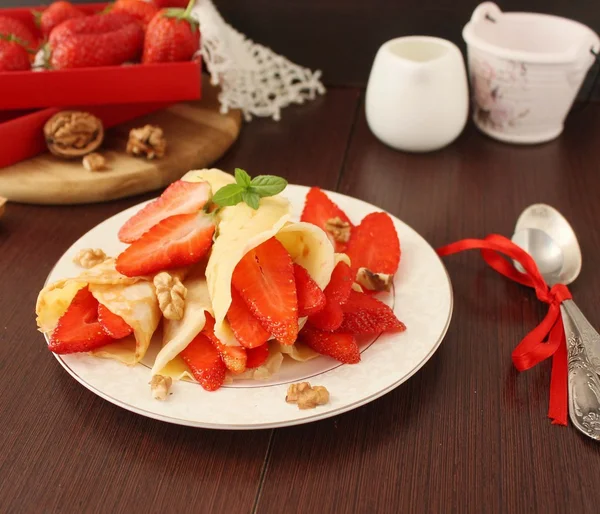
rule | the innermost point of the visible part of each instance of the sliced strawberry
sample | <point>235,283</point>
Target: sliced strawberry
<point>374,245</point>
<point>179,198</point>
<point>310,297</point>
<point>175,242</point>
<point>234,357</point>
<point>342,347</point>
<point>78,329</point>
<point>113,324</point>
<point>247,329</point>
<point>205,363</point>
<point>265,280</point>
<point>257,356</point>
<point>336,293</point>
<point>319,209</point>
<point>364,314</point>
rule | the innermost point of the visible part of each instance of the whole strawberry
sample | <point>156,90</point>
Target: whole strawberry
<point>55,14</point>
<point>99,40</point>
<point>140,10</point>
<point>171,36</point>
<point>11,26</point>
<point>13,55</point>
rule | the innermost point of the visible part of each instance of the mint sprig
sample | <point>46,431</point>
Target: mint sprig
<point>249,190</point>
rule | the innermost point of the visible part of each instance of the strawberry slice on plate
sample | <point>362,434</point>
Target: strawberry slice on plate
<point>364,314</point>
<point>265,280</point>
<point>322,212</point>
<point>341,347</point>
<point>175,242</point>
<point>247,329</point>
<point>113,324</point>
<point>204,362</point>
<point>336,293</point>
<point>310,297</point>
<point>234,357</point>
<point>257,356</point>
<point>374,245</point>
<point>78,329</point>
<point>179,198</point>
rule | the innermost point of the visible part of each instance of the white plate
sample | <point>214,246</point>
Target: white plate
<point>422,299</point>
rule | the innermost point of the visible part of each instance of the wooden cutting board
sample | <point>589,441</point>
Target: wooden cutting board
<point>197,135</point>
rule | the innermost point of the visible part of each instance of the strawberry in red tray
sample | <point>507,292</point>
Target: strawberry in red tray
<point>179,198</point>
<point>336,293</point>
<point>265,280</point>
<point>99,40</point>
<point>13,55</point>
<point>342,347</point>
<point>172,36</point>
<point>19,31</point>
<point>374,250</point>
<point>322,212</point>
<point>78,329</point>
<point>139,9</point>
<point>205,363</point>
<point>55,14</point>
<point>174,242</point>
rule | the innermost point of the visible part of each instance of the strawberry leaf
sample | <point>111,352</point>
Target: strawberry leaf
<point>229,195</point>
<point>242,178</point>
<point>267,185</point>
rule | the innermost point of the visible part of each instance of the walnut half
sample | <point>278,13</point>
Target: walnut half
<point>71,134</point>
<point>306,396</point>
<point>171,295</point>
<point>339,229</point>
<point>89,257</point>
<point>374,281</point>
<point>147,141</point>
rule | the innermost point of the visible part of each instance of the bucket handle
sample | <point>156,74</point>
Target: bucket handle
<point>486,12</point>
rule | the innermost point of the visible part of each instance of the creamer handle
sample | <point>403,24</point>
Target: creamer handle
<point>486,11</point>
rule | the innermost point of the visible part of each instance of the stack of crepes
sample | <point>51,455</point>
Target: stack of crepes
<point>239,229</point>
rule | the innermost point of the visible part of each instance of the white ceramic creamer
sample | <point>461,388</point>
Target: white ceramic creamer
<point>417,97</point>
<point>525,70</point>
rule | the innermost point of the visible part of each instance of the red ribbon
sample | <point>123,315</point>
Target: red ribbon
<point>548,338</point>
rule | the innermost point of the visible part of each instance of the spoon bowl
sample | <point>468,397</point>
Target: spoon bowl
<point>545,252</point>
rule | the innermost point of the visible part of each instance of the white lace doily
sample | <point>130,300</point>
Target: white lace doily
<point>252,77</point>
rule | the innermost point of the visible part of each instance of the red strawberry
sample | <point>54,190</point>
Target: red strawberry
<point>234,357</point>
<point>364,314</point>
<point>113,324</point>
<point>170,3</point>
<point>175,242</point>
<point>374,244</point>
<point>172,36</point>
<point>318,209</point>
<point>257,356</point>
<point>342,347</point>
<point>179,198</point>
<point>13,27</point>
<point>140,10</point>
<point>310,297</point>
<point>55,14</point>
<point>336,293</point>
<point>247,329</point>
<point>265,280</point>
<point>100,40</point>
<point>205,363</point>
<point>13,55</point>
<point>78,329</point>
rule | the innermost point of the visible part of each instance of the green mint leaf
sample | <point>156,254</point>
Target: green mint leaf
<point>229,195</point>
<point>251,198</point>
<point>242,178</point>
<point>267,185</point>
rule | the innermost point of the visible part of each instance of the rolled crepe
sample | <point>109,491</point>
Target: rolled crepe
<point>131,298</point>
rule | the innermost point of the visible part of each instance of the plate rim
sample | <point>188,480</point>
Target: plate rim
<point>270,425</point>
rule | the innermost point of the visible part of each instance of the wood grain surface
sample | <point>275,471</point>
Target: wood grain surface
<point>466,434</point>
<point>197,135</point>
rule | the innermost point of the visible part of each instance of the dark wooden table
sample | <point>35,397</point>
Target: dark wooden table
<point>468,433</point>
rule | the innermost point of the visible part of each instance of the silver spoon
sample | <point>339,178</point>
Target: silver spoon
<point>584,382</point>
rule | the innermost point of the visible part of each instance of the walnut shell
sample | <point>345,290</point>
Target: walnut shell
<point>72,134</point>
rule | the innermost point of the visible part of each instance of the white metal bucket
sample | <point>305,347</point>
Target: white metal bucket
<point>525,71</point>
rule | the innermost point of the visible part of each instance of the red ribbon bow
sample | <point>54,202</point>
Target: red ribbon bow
<point>548,338</point>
